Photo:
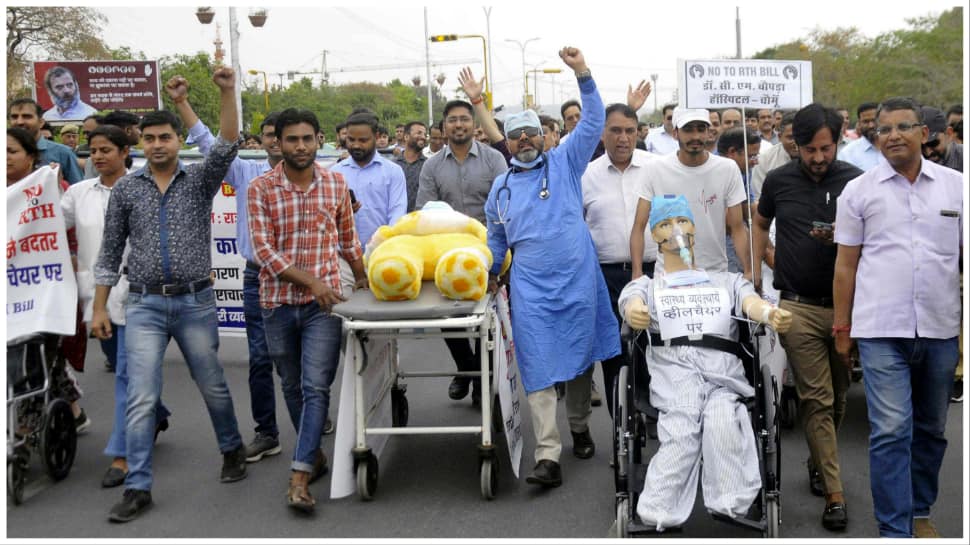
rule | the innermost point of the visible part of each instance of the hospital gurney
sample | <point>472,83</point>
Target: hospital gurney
<point>367,319</point>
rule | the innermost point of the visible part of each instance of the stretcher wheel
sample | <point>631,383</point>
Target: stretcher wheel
<point>58,440</point>
<point>623,517</point>
<point>489,474</point>
<point>367,477</point>
<point>399,407</point>
<point>772,517</point>
<point>16,478</point>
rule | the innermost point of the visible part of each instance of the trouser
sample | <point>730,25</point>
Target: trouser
<point>542,405</point>
<point>116,441</point>
<point>908,384</point>
<point>822,381</point>
<point>304,341</point>
<point>617,276</point>
<point>262,391</point>
<point>709,423</point>
<point>151,322</point>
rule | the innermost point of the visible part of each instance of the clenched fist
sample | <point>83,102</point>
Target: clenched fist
<point>637,314</point>
<point>225,78</point>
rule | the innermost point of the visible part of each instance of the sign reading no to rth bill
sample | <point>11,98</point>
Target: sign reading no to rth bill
<point>740,83</point>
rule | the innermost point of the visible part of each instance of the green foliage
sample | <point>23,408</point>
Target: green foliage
<point>924,61</point>
<point>203,94</point>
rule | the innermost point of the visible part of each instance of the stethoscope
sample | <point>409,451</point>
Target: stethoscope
<point>543,191</point>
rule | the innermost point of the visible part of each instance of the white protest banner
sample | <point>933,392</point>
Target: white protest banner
<point>379,352</point>
<point>691,312</point>
<point>41,288</point>
<point>507,379</point>
<point>744,83</point>
<point>227,265</point>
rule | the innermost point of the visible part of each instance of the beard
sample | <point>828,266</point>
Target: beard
<point>361,155</point>
<point>527,156</point>
<point>65,103</point>
<point>297,163</point>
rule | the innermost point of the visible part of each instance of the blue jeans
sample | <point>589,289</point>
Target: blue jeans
<point>908,385</point>
<point>262,393</point>
<point>116,442</point>
<point>304,342</point>
<point>152,321</point>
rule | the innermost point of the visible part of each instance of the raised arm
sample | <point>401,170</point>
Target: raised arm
<point>585,137</point>
<point>473,88</point>
<point>217,162</point>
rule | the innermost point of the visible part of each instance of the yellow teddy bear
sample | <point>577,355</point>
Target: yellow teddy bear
<point>437,243</point>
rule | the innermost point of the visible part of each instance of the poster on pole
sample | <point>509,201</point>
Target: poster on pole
<point>507,379</point>
<point>744,83</point>
<point>73,90</point>
<point>41,288</point>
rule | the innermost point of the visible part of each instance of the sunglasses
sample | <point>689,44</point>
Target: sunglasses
<point>931,143</point>
<point>531,132</point>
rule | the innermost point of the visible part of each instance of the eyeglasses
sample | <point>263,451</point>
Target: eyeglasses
<point>884,130</point>
<point>531,132</point>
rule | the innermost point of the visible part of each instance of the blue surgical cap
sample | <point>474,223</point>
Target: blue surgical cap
<point>527,118</point>
<point>668,206</point>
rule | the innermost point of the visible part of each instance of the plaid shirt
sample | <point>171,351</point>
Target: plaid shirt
<point>293,228</point>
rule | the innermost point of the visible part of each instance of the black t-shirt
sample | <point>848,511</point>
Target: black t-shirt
<point>803,264</point>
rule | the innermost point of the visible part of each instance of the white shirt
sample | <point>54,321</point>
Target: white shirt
<point>84,205</point>
<point>661,142</point>
<point>610,205</point>
<point>710,189</point>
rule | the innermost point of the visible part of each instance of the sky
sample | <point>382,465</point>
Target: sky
<point>623,42</point>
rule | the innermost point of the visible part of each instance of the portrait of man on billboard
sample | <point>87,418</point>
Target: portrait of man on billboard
<point>64,92</point>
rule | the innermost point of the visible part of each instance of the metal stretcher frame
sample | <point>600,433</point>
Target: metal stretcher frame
<point>430,315</point>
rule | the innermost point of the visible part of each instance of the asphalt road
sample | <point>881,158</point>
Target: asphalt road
<point>428,485</point>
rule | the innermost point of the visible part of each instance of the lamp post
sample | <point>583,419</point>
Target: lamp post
<point>525,75</point>
<point>265,87</point>
<point>453,37</point>
<point>535,79</point>
<point>653,78</point>
<point>205,17</point>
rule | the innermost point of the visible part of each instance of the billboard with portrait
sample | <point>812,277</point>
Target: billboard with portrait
<point>73,90</point>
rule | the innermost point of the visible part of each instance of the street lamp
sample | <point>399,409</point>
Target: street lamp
<point>205,16</point>
<point>453,37</point>
<point>265,87</point>
<point>535,80</point>
<point>653,78</point>
<point>525,75</point>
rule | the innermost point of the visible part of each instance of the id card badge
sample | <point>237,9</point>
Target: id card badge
<point>693,312</point>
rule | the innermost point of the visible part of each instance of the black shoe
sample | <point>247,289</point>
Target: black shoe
<point>108,366</point>
<point>546,474</point>
<point>835,517</point>
<point>459,388</point>
<point>262,445</point>
<point>956,396</point>
<point>233,466</point>
<point>815,482</point>
<point>82,422</point>
<point>115,476</point>
<point>131,505</point>
<point>161,426</point>
<point>583,446</point>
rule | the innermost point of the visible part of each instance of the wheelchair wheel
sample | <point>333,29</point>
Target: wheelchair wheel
<point>772,516</point>
<point>621,410</point>
<point>622,517</point>
<point>16,479</point>
<point>789,407</point>
<point>58,439</point>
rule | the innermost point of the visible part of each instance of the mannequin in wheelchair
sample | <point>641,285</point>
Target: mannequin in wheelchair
<point>698,381</point>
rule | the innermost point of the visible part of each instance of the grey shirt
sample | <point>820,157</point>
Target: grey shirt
<point>954,156</point>
<point>412,174</point>
<point>465,185</point>
<point>170,233</point>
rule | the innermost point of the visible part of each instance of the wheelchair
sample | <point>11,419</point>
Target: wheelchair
<point>631,416</point>
<point>38,418</point>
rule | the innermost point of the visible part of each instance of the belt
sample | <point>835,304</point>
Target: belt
<point>818,302</point>
<point>252,265</point>
<point>624,266</point>
<point>170,289</point>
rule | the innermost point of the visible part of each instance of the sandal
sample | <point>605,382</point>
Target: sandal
<point>298,497</point>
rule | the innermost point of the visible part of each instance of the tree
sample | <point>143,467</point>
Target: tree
<point>41,33</point>
<point>203,94</point>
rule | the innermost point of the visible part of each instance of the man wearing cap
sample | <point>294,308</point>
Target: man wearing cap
<point>698,387</point>
<point>712,186</point>
<point>563,322</point>
<point>69,135</point>
<point>938,147</point>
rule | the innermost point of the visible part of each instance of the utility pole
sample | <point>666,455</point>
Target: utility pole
<point>323,70</point>
<point>737,30</point>
<point>427,63</point>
